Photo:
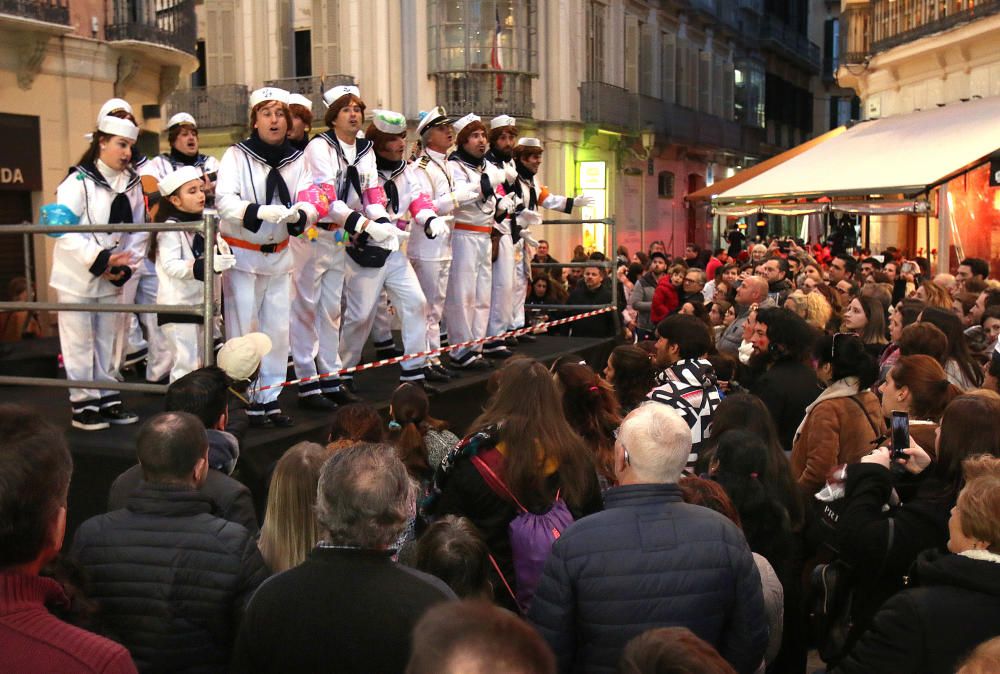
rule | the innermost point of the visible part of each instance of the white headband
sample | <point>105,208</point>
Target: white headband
<point>117,126</point>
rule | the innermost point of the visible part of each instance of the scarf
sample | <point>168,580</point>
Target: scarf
<point>178,157</point>
<point>121,207</point>
<point>484,180</point>
<point>982,555</point>
<point>497,156</point>
<point>842,388</point>
<point>393,168</point>
<point>300,144</point>
<point>274,156</point>
<point>528,177</point>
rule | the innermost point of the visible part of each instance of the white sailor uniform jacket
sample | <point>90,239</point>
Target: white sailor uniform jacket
<point>241,189</point>
<point>432,171</point>
<point>501,165</point>
<point>481,215</point>
<point>78,260</point>
<point>180,269</point>
<point>403,198</point>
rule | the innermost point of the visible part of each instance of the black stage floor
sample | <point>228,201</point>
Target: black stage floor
<point>100,456</point>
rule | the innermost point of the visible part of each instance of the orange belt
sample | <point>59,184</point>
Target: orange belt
<point>260,248</point>
<point>466,227</point>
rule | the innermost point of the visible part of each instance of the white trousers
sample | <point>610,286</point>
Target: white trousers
<point>522,278</point>
<point>318,277</point>
<point>142,290</point>
<point>363,288</point>
<point>87,341</point>
<point>433,278</point>
<point>467,302</point>
<point>501,292</point>
<point>184,341</point>
<point>382,327</point>
<point>259,303</point>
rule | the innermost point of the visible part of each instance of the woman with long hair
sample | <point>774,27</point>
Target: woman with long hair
<point>906,313</point>
<point>630,371</point>
<point>592,410</point>
<point>919,386</point>
<point>421,441</point>
<point>962,369</point>
<point>865,317</point>
<point>934,295</point>
<point>524,438</point>
<point>884,539</point>
<point>290,528</point>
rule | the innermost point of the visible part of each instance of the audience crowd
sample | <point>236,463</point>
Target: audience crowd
<point>789,452</point>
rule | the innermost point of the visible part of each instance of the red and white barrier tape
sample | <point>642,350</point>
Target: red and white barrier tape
<point>444,349</point>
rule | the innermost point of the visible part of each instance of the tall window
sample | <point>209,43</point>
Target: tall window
<point>596,19</point>
<point>748,97</point>
<point>325,38</point>
<point>303,53</point>
<point>483,54</point>
<point>668,67</point>
<point>632,53</point>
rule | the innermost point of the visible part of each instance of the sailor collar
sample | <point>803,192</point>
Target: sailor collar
<point>363,145</point>
<point>389,173</point>
<point>466,159</point>
<point>89,169</point>
<point>291,155</point>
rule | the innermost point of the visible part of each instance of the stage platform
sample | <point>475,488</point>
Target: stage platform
<point>101,455</point>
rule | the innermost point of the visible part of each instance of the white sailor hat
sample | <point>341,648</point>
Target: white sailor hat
<point>465,121</point>
<point>181,118</point>
<point>331,95</point>
<point>434,117</point>
<point>501,121</point>
<point>113,105</point>
<point>388,121</point>
<point>299,99</point>
<point>268,94</point>
<point>172,182</point>
<point>529,142</point>
<point>116,126</point>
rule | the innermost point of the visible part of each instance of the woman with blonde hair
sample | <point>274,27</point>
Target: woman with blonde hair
<point>818,311</point>
<point>934,295</point>
<point>290,528</point>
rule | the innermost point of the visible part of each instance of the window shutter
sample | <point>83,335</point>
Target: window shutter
<point>326,37</point>
<point>286,39</point>
<point>705,81</point>
<point>220,43</point>
<point>728,90</point>
<point>646,84</point>
<point>668,75</point>
<point>632,53</point>
<point>718,85</point>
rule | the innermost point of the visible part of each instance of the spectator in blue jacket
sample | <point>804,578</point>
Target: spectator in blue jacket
<point>650,560</point>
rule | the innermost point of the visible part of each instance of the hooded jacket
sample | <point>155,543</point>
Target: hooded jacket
<point>954,607</point>
<point>690,387</point>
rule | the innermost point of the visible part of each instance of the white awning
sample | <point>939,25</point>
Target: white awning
<point>903,154</point>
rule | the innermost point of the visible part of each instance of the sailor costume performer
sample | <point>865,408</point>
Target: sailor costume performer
<point>255,195</point>
<point>401,198</point>
<point>81,265</point>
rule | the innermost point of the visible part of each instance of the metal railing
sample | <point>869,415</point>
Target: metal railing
<point>170,23</point>
<point>485,92</point>
<point>213,106</point>
<point>782,38</point>
<point>49,11</point>
<point>310,87</point>
<point>207,311</point>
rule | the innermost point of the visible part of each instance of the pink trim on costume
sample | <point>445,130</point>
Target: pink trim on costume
<point>421,202</point>
<point>500,191</point>
<point>375,195</point>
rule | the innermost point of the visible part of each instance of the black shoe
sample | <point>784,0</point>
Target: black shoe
<point>348,383</point>
<point>388,352</point>
<point>90,420</point>
<point>527,337</point>
<point>501,353</point>
<point>428,388</point>
<point>258,420</point>
<point>430,374</point>
<point>317,402</point>
<point>447,372</point>
<point>280,420</point>
<point>118,415</point>
<point>343,397</point>
<point>474,364</point>
<point>511,342</point>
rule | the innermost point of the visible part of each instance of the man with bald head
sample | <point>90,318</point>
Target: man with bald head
<point>753,290</point>
<point>649,560</point>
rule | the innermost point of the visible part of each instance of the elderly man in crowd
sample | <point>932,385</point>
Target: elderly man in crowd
<point>649,560</point>
<point>753,290</point>
<point>348,607</point>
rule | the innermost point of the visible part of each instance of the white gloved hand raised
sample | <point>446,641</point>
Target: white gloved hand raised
<point>294,213</point>
<point>221,247</point>
<point>525,235</point>
<point>528,218</point>
<point>583,201</point>
<point>275,213</point>
<point>437,225</point>
<point>223,261</point>
<point>380,231</point>
<point>510,173</point>
<point>507,203</point>
<point>402,235</point>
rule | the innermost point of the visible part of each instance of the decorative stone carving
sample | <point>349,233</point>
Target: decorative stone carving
<point>31,48</point>
<point>170,77</point>
<point>129,66</point>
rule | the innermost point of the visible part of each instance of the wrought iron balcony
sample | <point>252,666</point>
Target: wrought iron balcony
<point>782,38</point>
<point>217,106</point>
<point>485,92</point>
<point>900,21</point>
<point>169,23</point>
<point>607,105</point>
<point>48,11</point>
<point>311,87</point>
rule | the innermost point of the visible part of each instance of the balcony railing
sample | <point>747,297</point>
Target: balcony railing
<point>170,23</point>
<point>793,44</point>
<point>215,106</point>
<point>311,87</point>
<point>607,105</point>
<point>49,11</point>
<point>723,11</point>
<point>485,92</point>
<point>900,21</point>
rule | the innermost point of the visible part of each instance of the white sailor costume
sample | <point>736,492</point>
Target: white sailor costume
<point>253,174</point>
<point>502,289</point>
<point>98,194</point>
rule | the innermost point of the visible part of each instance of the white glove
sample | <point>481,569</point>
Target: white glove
<point>507,203</point>
<point>583,201</point>
<point>525,235</point>
<point>223,261</point>
<point>510,173</point>
<point>381,231</point>
<point>221,247</point>
<point>464,195</point>
<point>401,236</point>
<point>294,213</point>
<point>273,213</point>
<point>528,218</point>
<point>438,225</point>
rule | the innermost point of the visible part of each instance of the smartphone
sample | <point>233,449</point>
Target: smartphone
<point>900,435</point>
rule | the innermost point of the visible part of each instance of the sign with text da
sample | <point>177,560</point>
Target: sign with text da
<point>20,153</point>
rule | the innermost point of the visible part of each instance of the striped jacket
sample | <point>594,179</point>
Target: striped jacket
<point>690,387</point>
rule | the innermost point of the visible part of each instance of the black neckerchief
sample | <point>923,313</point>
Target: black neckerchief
<point>178,157</point>
<point>528,177</point>
<point>480,165</point>
<point>121,207</point>
<point>391,169</point>
<point>351,176</point>
<point>497,157</point>
<point>275,156</point>
<point>300,145</point>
